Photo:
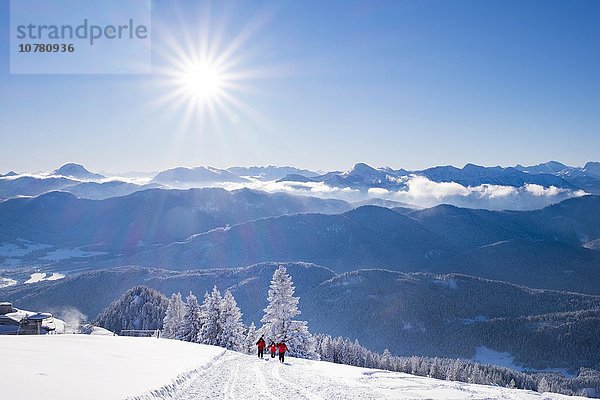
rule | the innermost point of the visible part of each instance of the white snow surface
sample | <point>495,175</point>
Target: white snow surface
<point>71,367</point>
<point>41,276</point>
<point>96,330</point>
<point>36,277</point>
<point>93,367</point>
<point>6,282</point>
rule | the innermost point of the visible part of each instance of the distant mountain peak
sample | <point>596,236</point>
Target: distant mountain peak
<point>370,209</point>
<point>295,178</point>
<point>472,166</point>
<point>362,167</point>
<point>556,163</point>
<point>201,174</point>
<point>75,170</point>
<point>592,168</point>
<point>366,171</point>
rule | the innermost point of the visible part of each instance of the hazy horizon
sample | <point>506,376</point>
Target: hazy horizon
<point>347,168</point>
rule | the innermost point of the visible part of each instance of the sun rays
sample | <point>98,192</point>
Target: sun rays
<point>202,75</point>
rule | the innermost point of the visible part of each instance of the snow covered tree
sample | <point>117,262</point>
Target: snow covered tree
<point>326,349</point>
<point>192,320</point>
<point>543,385</point>
<point>232,328</point>
<point>435,369</point>
<point>278,322</point>
<point>174,316</point>
<point>139,308</point>
<point>300,341</point>
<point>250,341</point>
<point>211,328</point>
<point>282,307</point>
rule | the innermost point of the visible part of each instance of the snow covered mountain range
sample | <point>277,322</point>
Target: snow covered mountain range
<point>474,180</point>
<point>365,176</point>
<point>395,267</point>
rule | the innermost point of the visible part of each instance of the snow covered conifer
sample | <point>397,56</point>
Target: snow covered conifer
<point>192,320</point>
<point>282,307</point>
<point>278,322</point>
<point>543,385</point>
<point>301,343</point>
<point>174,316</point>
<point>232,332</point>
<point>139,308</point>
<point>326,348</point>
<point>211,328</point>
<point>250,341</point>
<point>385,359</point>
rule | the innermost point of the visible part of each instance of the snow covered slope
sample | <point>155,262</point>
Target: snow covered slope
<point>70,367</point>
<point>90,367</point>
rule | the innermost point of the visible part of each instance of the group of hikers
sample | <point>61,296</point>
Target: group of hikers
<point>275,348</point>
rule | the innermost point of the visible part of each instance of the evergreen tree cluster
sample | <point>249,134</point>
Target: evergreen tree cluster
<point>140,308</point>
<point>218,320</point>
<point>345,351</point>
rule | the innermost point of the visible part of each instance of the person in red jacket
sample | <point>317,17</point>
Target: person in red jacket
<point>273,348</point>
<point>261,346</point>
<point>282,348</point>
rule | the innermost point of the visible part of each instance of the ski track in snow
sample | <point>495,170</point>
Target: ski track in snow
<point>230,377</point>
<point>238,376</point>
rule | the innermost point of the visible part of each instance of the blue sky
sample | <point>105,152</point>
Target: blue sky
<point>401,83</point>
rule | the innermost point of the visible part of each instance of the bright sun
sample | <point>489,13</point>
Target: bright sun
<point>202,81</point>
<point>205,74</point>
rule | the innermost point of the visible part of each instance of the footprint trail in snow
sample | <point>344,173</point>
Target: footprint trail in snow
<point>238,376</point>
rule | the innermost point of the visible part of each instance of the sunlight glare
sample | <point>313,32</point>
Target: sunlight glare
<point>204,74</point>
<point>203,81</point>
